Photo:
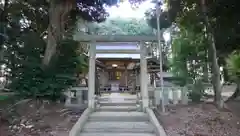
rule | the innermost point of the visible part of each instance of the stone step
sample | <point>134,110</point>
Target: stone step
<point>118,127</point>
<point>116,99</point>
<point>118,108</point>
<point>119,116</point>
<point>118,103</point>
<point>117,134</point>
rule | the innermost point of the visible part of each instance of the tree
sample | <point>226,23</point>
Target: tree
<point>165,22</point>
<point>188,55</point>
<point>213,57</point>
<point>120,26</point>
<point>223,20</point>
<point>42,57</point>
<point>197,13</point>
<point>63,13</point>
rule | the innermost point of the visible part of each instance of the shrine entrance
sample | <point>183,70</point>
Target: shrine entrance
<point>103,47</point>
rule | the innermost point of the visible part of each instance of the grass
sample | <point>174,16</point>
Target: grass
<point>3,97</point>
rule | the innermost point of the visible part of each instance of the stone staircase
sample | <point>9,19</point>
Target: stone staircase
<point>118,118</point>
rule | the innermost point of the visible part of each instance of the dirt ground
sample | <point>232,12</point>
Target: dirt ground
<point>34,118</point>
<point>234,106</point>
<point>199,120</point>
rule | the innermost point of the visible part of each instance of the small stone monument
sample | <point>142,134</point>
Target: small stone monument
<point>76,97</point>
<point>184,95</point>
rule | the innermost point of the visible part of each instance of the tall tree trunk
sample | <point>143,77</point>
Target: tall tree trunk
<point>58,12</point>
<point>215,67</point>
<point>54,32</point>
<point>3,23</point>
<point>205,67</point>
<point>216,75</point>
<point>3,14</point>
<point>185,72</point>
<point>192,70</point>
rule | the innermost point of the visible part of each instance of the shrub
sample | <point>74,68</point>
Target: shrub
<point>197,91</point>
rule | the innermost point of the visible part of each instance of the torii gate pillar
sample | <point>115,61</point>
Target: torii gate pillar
<point>144,76</point>
<point>91,75</point>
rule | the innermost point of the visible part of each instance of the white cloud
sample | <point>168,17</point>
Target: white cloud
<point>125,10</point>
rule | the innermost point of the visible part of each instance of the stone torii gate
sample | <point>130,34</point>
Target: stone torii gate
<point>140,40</point>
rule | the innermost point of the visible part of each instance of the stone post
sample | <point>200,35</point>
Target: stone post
<point>184,95</point>
<point>175,95</point>
<point>157,95</point>
<point>165,96</point>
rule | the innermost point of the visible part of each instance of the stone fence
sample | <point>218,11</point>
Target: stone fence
<point>76,97</point>
<point>171,95</point>
<point>179,95</point>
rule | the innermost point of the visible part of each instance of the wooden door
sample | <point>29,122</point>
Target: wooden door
<point>115,75</point>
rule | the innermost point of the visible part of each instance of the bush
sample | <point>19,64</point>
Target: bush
<point>233,65</point>
<point>195,96</point>
<point>197,92</point>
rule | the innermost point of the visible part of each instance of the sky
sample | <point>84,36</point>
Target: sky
<point>125,10</point>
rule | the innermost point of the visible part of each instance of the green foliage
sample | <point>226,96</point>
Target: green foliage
<point>119,26</point>
<point>223,20</point>
<point>233,65</point>
<point>197,91</point>
<point>28,77</point>
<point>82,66</point>
<point>190,45</point>
<point>3,97</point>
<point>27,27</point>
<point>167,16</point>
<point>189,52</point>
<point>195,96</point>
<point>164,20</point>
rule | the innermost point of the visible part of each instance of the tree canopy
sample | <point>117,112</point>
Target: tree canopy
<point>223,17</point>
<point>217,22</point>
<point>41,57</point>
<point>121,26</point>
